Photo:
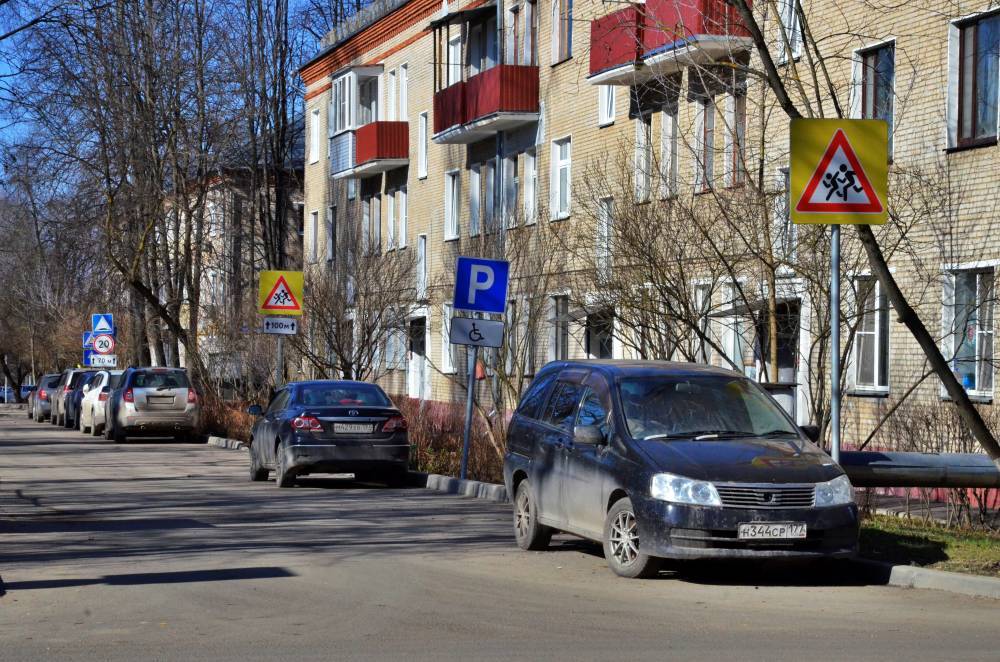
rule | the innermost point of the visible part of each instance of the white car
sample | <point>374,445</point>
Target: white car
<point>95,394</point>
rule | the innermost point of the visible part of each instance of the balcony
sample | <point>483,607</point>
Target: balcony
<point>498,99</point>
<point>370,149</point>
<point>662,37</point>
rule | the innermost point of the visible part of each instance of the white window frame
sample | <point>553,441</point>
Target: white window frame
<point>331,224</point>
<point>342,91</point>
<point>642,159</point>
<point>606,105</point>
<point>530,186</point>
<point>390,104</point>
<point>511,190</point>
<point>489,193</point>
<point>558,165</point>
<point>422,146</point>
<point>475,189</point>
<point>314,236</point>
<point>315,137</point>
<point>447,350</point>
<point>668,153</point>
<point>404,92</point>
<point>452,207</point>
<point>559,328</point>
<point>704,144</point>
<point>789,18</point>
<point>421,267</point>
<point>881,330</point>
<point>390,220</point>
<point>784,233</point>
<point>559,38</point>
<point>949,324</point>
<point>734,171</point>
<point>401,213</point>
<point>605,228</point>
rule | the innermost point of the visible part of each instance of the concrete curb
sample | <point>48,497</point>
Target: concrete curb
<point>472,488</point>
<point>231,444</point>
<point>909,576</point>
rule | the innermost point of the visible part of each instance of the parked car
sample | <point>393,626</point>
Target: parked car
<point>7,394</point>
<point>40,400</point>
<point>69,381</point>
<point>95,394</point>
<point>26,390</point>
<point>75,398</point>
<point>153,402</point>
<point>671,460</point>
<point>329,426</point>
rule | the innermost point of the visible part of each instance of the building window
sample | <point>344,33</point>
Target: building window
<point>530,186</point>
<point>668,153</point>
<point>447,357</point>
<point>368,101</point>
<point>401,216</point>
<point>969,319</point>
<point>605,105</point>
<point>562,33</point>
<point>475,189</point>
<point>422,147</point>
<point>511,190</point>
<point>702,304</point>
<point>390,105</point>
<point>314,136</point>
<point>421,267</point>
<point>979,51</point>
<point>314,236</point>
<point>783,233</point>
<point>560,328</point>
<point>489,176</point>
<point>605,227</point>
<point>452,204</point>
<point>371,223</point>
<point>455,59</point>
<point>331,232</point>
<point>342,104</point>
<point>404,92</point>
<point>530,56</point>
<point>643,157</point>
<point>561,177</point>
<point>871,344</point>
<point>600,335</point>
<point>390,220</point>
<point>736,128</point>
<point>791,30</point>
<point>704,145</point>
<point>878,77</point>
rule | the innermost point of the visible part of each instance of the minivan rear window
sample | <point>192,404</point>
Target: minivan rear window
<point>51,381</point>
<point>169,379</point>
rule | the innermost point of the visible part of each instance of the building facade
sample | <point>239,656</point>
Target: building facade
<point>638,155</point>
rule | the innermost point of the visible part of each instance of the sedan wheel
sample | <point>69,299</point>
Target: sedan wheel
<point>529,534</point>
<point>95,430</point>
<point>257,472</point>
<point>283,477</point>
<point>622,546</point>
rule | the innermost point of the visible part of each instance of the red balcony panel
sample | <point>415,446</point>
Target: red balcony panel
<point>382,140</point>
<point>505,88</point>
<point>449,107</point>
<point>670,21</point>
<point>616,39</point>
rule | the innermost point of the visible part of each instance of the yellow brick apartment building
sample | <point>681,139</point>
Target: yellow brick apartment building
<point>430,124</point>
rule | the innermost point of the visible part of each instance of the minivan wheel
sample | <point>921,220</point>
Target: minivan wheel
<point>528,532</point>
<point>622,546</point>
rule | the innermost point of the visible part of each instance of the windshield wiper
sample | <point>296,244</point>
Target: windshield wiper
<point>778,433</point>
<point>699,435</point>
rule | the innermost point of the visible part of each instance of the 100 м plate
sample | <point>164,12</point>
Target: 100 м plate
<point>771,531</point>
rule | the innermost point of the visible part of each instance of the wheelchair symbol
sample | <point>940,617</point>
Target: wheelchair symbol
<point>474,334</point>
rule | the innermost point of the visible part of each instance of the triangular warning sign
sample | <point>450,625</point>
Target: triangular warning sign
<point>839,184</point>
<point>102,326</point>
<point>281,297</point>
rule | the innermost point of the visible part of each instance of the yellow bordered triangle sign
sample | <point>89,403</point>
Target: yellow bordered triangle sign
<point>280,293</point>
<point>839,183</point>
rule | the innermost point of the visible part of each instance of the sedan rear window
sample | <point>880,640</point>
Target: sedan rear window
<point>703,405</point>
<point>159,380</point>
<point>342,395</point>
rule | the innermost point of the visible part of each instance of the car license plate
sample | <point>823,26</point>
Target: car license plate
<point>771,530</point>
<point>352,428</point>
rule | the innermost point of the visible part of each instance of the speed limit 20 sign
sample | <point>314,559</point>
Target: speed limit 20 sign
<point>104,343</point>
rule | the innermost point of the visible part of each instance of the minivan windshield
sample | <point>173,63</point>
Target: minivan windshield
<point>700,407</point>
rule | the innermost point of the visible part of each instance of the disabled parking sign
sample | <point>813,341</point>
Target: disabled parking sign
<point>481,285</point>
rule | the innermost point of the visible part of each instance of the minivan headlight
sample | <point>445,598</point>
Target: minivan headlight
<point>678,489</point>
<point>835,492</point>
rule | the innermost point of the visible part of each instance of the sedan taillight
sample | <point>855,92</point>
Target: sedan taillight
<point>128,396</point>
<point>192,397</point>
<point>395,423</point>
<point>66,389</point>
<point>103,397</point>
<point>43,394</point>
<point>307,424</point>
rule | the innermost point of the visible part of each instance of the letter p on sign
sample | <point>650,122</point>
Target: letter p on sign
<point>481,285</point>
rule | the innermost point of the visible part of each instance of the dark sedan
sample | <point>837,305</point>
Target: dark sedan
<point>671,460</point>
<point>329,427</point>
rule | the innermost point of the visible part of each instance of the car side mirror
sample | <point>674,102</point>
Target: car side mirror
<point>810,431</point>
<point>588,434</point>
<point>255,410</point>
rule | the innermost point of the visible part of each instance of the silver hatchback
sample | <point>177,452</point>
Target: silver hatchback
<point>156,402</point>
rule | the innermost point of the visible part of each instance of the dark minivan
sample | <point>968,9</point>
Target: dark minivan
<point>329,426</point>
<point>671,460</point>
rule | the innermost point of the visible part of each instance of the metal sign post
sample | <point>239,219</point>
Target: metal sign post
<point>480,286</point>
<point>835,343</point>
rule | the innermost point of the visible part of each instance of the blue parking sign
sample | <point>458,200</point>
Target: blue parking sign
<point>102,323</point>
<point>481,285</point>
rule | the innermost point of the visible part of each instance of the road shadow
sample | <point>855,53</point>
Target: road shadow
<point>150,578</point>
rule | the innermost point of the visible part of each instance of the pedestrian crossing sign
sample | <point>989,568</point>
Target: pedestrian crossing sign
<point>839,171</point>
<point>280,293</point>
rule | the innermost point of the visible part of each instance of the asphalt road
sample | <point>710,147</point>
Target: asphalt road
<point>166,551</point>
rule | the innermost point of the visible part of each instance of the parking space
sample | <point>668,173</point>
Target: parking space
<point>114,550</point>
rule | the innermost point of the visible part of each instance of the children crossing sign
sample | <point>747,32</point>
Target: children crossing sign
<point>839,171</point>
<point>280,293</point>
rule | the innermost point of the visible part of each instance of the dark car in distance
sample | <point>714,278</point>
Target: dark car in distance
<point>671,460</point>
<point>329,426</point>
<point>40,399</point>
<point>75,397</point>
